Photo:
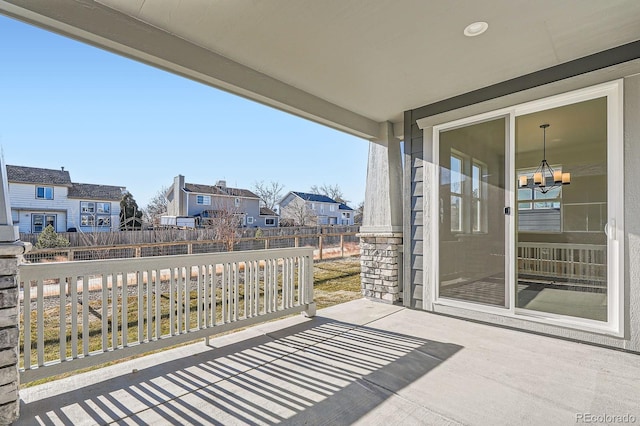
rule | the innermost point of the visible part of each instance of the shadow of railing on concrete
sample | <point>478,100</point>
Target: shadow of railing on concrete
<point>320,371</point>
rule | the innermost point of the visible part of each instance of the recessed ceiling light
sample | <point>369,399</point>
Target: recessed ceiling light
<point>475,29</point>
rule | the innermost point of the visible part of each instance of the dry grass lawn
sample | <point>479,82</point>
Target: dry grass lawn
<point>336,282</point>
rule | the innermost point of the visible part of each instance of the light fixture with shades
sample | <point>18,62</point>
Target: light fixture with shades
<point>545,178</point>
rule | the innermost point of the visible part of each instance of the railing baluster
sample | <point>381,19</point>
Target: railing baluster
<point>214,294</point>
<point>267,285</point>
<point>104,292</point>
<point>114,310</point>
<point>40,325</point>
<point>172,287</point>
<point>292,273</point>
<point>85,315</point>
<point>208,284</point>
<point>74,316</point>
<point>125,309</point>
<point>179,298</point>
<point>224,292</point>
<point>187,299</point>
<point>140,282</point>
<point>300,279</point>
<point>26,303</point>
<point>63,318</point>
<point>245,293</point>
<point>236,298</point>
<point>149,314</point>
<point>157,317</point>
<point>275,284</point>
<point>199,297</point>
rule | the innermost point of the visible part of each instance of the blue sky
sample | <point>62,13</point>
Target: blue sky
<point>110,120</point>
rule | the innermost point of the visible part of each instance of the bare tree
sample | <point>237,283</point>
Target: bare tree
<point>157,206</point>
<point>299,212</point>
<point>359,212</point>
<point>270,193</point>
<point>331,191</point>
<point>225,220</point>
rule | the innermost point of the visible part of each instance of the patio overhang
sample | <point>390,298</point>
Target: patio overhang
<point>352,66</point>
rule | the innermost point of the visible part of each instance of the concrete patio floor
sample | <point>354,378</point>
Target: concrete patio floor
<point>361,362</point>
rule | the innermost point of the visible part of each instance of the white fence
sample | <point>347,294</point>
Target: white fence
<point>577,263</point>
<point>80,314</point>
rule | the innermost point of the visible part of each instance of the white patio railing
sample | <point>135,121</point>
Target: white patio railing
<point>582,263</point>
<point>79,314</point>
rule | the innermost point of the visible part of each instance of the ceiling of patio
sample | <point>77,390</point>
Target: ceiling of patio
<point>347,64</point>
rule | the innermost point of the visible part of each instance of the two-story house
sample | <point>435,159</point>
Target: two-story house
<point>304,209</point>
<point>206,202</point>
<point>41,197</point>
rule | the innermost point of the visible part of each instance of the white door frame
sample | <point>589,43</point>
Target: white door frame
<point>615,209</point>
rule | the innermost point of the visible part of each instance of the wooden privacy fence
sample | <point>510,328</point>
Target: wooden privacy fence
<point>79,314</point>
<point>584,264</point>
<point>327,245</point>
<point>83,239</point>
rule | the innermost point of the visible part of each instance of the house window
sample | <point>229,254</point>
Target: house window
<point>250,220</point>
<point>468,201</point>
<point>321,208</point>
<point>41,221</point>
<point>539,212</point>
<point>237,202</point>
<point>44,192</point>
<point>332,208</point>
<point>95,214</point>
<point>313,206</point>
<point>270,222</point>
<point>203,200</point>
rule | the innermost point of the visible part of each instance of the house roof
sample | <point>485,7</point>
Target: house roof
<point>265,211</point>
<point>218,190</point>
<point>336,62</point>
<point>91,191</point>
<point>344,207</point>
<point>21,174</point>
<point>314,197</point>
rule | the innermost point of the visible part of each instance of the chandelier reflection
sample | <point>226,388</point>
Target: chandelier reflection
<point>545,178</point>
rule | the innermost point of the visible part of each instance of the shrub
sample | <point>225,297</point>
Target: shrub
<point>50,239</point>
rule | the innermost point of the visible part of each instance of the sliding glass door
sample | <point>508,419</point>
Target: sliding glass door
<point>528,211</point>
<point>561,223</point>
<point>471,213</point>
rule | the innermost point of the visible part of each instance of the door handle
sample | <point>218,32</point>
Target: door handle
<point>610,229</point>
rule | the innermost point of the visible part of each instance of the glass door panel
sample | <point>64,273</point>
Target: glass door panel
<point>560,228</point>
<point>472,218</point>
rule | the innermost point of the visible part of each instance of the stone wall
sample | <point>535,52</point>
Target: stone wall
<point>381,263</point>
<point>9,330</point>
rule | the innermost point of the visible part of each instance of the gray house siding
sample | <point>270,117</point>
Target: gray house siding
<point>249,207</point>
<point>414,205</point>
<point>622,62</point>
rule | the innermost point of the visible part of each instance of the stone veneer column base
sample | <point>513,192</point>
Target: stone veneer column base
<point>10,254</point>
<point>380,263</point>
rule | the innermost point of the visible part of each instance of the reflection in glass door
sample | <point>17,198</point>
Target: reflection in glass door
<point>561,240</point>
<point>471,213</point>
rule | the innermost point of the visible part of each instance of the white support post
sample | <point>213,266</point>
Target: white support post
<point>381,231</point>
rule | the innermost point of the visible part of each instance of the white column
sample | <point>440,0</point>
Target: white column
<point>381,230</point>
<point>11,251</point>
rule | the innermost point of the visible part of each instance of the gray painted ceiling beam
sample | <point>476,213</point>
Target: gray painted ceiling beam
<point>98,25</point>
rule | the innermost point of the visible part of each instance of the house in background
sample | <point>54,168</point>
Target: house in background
<point>303,208</point>
<point>41,197</point>
<point>206,202</point>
